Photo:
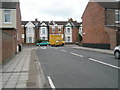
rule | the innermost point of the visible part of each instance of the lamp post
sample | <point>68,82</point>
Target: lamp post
<point>36,29</point>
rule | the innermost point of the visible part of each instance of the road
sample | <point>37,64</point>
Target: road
<point>66,67</point>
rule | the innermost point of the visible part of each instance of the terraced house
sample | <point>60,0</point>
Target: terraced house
<point>101,25</point>
<point>10,27</point>
<point>34,30</point>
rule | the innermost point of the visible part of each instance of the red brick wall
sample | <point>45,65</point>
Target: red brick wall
<point>8,45</point>
<point>14,34</point>
<point>93,24</point>
<point>18,20</point>
<point>75,32</point>
<point>56,30</point>
<point>112,37</point>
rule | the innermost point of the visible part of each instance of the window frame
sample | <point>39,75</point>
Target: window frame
<point>43,29</point>
<point>10,17</point>
<point>117,16</point>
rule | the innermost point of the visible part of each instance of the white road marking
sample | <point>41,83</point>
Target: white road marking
<point>43,47</point>
<point>104,63</point>
<point>51,83</point>
<point>76,54</point>
<point>63,51</point>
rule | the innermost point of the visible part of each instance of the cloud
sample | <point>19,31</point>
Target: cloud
<point>52,9</point>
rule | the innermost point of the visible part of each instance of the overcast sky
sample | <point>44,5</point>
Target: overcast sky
<point>47,10</point>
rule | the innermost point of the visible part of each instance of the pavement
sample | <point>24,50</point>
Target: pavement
<point>24,69</point>
<point>93,49</point>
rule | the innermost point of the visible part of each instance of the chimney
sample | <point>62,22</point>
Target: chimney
<point>36,20</point>
<point>70,20</point>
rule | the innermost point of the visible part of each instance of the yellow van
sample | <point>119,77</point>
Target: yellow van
<point>56,40</point>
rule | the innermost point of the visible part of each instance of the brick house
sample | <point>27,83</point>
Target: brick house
<point>68,29</point>
<point>10,27</point>
<point>101,25</point>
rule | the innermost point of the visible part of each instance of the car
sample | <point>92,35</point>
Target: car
<point>43,43</point>
<point>117,52</point>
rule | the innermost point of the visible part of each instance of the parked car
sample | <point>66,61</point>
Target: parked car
<point>117,52</point>
<point>43,43</point>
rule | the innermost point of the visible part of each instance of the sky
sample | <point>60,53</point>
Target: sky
<point>56,10</point>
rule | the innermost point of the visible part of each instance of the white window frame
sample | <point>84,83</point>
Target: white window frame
<point>69,29</point>
<point>53,29</point>
<point>43,29</point>
<point>10,13</point>
<point>59,29</point>
<point>68,39</point>
<point>28,39</point>
<point>30,30</point>
<point>117,13</point>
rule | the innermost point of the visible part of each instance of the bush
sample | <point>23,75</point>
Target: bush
<point>38,41</point>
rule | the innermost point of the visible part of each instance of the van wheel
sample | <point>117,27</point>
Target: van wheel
<point>117,55</point>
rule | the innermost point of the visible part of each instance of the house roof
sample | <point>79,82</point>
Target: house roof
<point>61,22</point>
<point>51,23</point>
<point>25,22</point>
<point>8,5</point>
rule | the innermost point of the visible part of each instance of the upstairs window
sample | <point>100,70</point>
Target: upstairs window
<point>53,29</point>
<point>30,30</point>
<point>59,29</point>
<point>68,30</point>
<point>43,31</point>
<point>117,16</point>
<point>7,16</point>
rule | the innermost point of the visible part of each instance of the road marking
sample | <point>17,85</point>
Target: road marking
<point>76,54</point>
<point>43,47</point>
<point>63,51</point>
<point>51,83</point>
<point>104,63</point>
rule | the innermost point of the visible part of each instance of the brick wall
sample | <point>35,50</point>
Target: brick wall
<point>8,45</point>
<point>19,28</point>
<point>56,30</point>
<point>112,37</point>
<point>94,25</point>
<point>75,33</point>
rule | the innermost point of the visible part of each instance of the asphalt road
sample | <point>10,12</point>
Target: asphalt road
<point>65,67</point>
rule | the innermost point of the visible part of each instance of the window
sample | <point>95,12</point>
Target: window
<point>43,38</point>
<point>43,31</point>
<point>7,16</point>
<point>68,30</point>
<point>30,30</point>
<point>117,16</point>
<point>53,29</point>
<point>68,39</point>
<point>59,30</point>
<point>30,39</point>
